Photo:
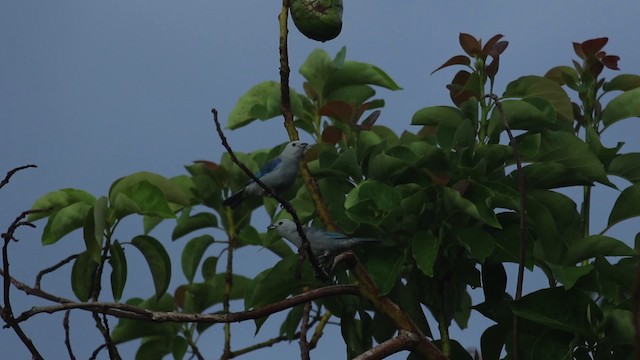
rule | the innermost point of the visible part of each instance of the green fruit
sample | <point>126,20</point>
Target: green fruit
<point>317,19</point>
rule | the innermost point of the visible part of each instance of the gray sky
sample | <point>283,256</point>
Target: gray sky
<point>92,91</point>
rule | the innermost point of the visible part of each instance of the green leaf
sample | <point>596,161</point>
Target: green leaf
<point>94,248</point>
<point>568,150</point>
<point>492,342</point>
<point>83,276</point>
<point>209,267</point>
<point>425,247</point>
<point>261,102</point>
<point>94,228</point>
<point>357,73</point>
<point>480,244</point>
<point>385,266</point>
<point>626,166</point>
<point>626,206</point>
<point>454,201</point>
<point>56,200</point>
<point>187,224</point>
<point>345,163</point>
<point>280,282</point>
<point>65,221</point>
<point>567,310</point>
<point>118,264</point>
<point>353,94</point>
<point>622,82</point>
<point>539,87</point>
<point>192,254</point>
<point>154,348</point>
<point>438,115</point>
<point>127,329</point>
<point>170,190</point>
<point>370,201</point>
<point>494,282</point>
<point>142,198</point>
<point>621,107</point>
<point>157,259</point>
<point>569,275</point>
<point>179,347</point>
<point>317,68</point>
<point>597,245</point>
<point>526,114</point>
<point>291,322</point>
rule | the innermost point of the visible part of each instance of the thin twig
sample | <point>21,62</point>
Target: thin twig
<point>53,268</point>
<point>317,334</point>
<point>7,177</point>
<point>228,284</point>
<point>523,222</point>
<point>258,346</point>
<point>67,335</point>
<point>304,326</point>
<point>95,353</point>
<point>195,350</point>
<point>6,312</point>
<point>320,273</point>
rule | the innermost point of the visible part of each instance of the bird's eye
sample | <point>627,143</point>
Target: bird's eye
<point>280,223</point>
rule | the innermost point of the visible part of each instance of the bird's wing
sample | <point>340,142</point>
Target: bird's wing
<point>270,166</point>
<point>329,234</point>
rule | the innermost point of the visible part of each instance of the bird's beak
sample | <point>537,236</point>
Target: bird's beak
<point>271,227</point>
<point>304,145</point>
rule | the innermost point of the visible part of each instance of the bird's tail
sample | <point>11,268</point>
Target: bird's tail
<point>234,200</point>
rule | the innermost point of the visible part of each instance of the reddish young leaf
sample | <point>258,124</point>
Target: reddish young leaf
<point>578,49</point>
<point>595,68</point>
<point>367,124</point>
<point>208,164</point>
<point>338,110</point>
<point>455,60</point>
<point>492,68</point>
<point>499,48</point>
<point>331,134</point>
<point>310,91</point>
<point>488,47</point>
<point>469,44</point>
<point>611,62</point>
<point>592,46</point>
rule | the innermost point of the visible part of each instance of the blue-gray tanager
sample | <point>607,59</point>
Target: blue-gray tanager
<point>323,243</point>
<point>279,174</point>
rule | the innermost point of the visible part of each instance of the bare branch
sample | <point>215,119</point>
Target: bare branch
<point>304,326</point>
<point>67,337</point>
<point>53,268</point>
<point>405,341</point>
<point>7,177</point>
<point>126,311</point>
<point>6,311</point>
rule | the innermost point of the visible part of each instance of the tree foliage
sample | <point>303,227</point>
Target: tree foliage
<point>447,197</point>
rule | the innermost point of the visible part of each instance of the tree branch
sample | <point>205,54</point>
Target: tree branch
<point>6,312</point>
<point>370,290</point>
<point>404,341</point>
<point>7,177</point>
<point>285,106</point>
<point>126,311</point>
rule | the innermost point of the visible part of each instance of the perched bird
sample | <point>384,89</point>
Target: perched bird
<point>323,243</point>
<point>279,174</point>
